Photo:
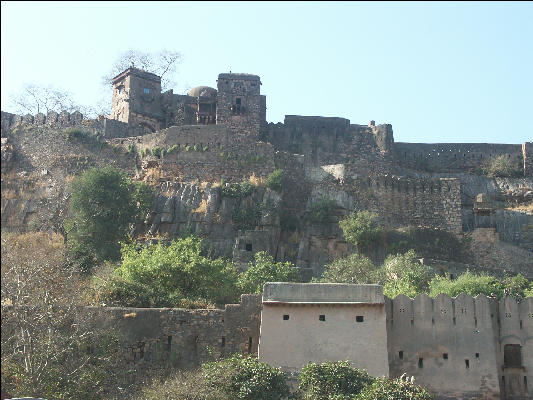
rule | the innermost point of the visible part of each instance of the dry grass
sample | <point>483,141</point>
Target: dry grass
<point>202,208</point>
<point>217,219</point>
<point>527,208</point>
<point>9,194</point>
<point>257,181</point>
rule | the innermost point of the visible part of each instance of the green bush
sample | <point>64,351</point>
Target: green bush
<point>275,180</point>
<point>156,151</point>
<point>403,274</point>
<point>355,268</point>
<point>74,133</point>
<point>172,149</point>
<point>245,378</point>
<point>238,190</point>
<point>132,149</point>
<point>517,286</point>
<point>264,270</point>
<point>322,210</point>
<point>332,380</point>
<point>157,275</point>
<point>503,166</point>
<point>469,283</point>
<point>361,229</point>
<point>397,389</point>
<point>246,217</point>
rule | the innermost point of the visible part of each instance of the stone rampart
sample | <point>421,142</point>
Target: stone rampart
<point>527,154</point>
<point>452,157</point>
<point>155,338</point>
<point>52,119</point>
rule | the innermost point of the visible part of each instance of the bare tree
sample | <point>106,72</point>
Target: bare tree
<point>45,341</point>
<point>162,63</point>
<point>34,99</point>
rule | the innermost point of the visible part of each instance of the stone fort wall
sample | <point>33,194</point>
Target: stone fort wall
<point>457,347</point>
<point>458,157</point>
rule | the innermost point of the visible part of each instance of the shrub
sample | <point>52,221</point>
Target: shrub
<point>156,151</point>
<point>322,210</point>
<point>289,222</point>
<point>132,149</point>
<point>74,133</point>
<point>332,380</point>
<point>275,180</point>
<point>469,283</point>
<point>172,148</point>
<point>355,268</point>
<point>517,286</point>
<point>264,270</point>
<point>246,217</point>
<point>157,275</point>
<point>245,378</point>
<point>503,166</point>
<point>361,229</point>
<point>238,190</point>
<point>403,274</point>
<point>400,388</point>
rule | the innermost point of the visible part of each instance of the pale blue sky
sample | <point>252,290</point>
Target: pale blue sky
<point>438,72</point>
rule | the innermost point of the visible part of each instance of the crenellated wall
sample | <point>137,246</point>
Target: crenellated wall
<point>455,346</point>
<point>52,119</point>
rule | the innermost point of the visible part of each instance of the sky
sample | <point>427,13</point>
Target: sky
<point>438,72</point>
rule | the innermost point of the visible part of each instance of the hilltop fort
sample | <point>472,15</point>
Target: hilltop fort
<point>192,147</point>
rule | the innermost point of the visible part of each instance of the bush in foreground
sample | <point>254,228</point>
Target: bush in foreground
<point>398,389</point>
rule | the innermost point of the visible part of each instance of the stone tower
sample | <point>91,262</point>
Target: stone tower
<point>240,105</point>
<point>137,99</point>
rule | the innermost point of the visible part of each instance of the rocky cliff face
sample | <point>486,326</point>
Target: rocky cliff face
<point>39,162</point>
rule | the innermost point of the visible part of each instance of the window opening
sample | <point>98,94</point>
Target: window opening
<point>321,317</point>
<point>467,364</point>
<point>400,354</point>
<point>512,356</point>
<point>250,345</point>
<point>286,317</point>
<point>248,247</point>
<point>223,342</point>
<point>420,363</point>
<point>445,356</point>
<point>359,318</point>
<point>146,91</point>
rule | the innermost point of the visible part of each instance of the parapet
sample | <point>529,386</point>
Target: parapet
<point>321,293</point>
<point>137,72</point>
<point>240,76</point>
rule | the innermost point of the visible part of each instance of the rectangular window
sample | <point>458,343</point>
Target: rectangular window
<point>248,247</point>
<point>223,342</point>
<point>359,318</point>
<point>400,354</point>
<point>477,355</point>
<point>420,363</point>
<point>467,364</point>
<point>286,317</point>
<point>321,317</point>
<point>445,356</point>
<point>146,91</point>
<point>238,101</point>
<point>512,356</point>
<point>250,345</point>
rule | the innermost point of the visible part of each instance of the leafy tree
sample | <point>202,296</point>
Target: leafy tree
<point>517,286</point>
<point>361,229</point>
<point>403,274</point>
<point>322,210</point>
<point>275,180</point>
<point>397,389</point>
<point>265,270</point>
<point>356,268</point>
<point>103,205</point>
<point>469,283</point>
<point>332,380</point>
<point>157,275</point>
<point>44,330</point>
<point>246,378</point>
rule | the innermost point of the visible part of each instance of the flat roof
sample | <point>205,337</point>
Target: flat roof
<point>275,293</point>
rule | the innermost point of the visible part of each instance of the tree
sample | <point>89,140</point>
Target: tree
<point>400,388</point>
<point>103,206</point>
<point>34,99</point>
<point>162,63</point>
<point>361,229</point>
<point>275,180</point>
<point>246,378</point>
<point>502,166</point>
<point>44,339</point>
<point>332,380</point>
<point>264,270</point>
<point>403,274</point>
<point>321,210</point>
<point>356,268</point>
<point>157,275</point>
<point>469,283</point>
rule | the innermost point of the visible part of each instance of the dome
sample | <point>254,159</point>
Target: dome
<point>205,91</point>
